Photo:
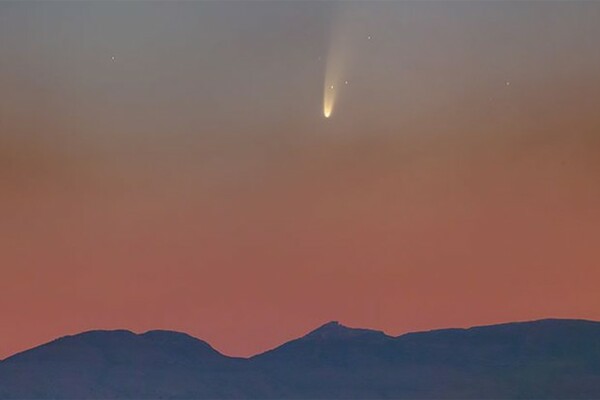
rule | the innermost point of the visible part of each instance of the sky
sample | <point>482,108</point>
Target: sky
<point>168,165</point>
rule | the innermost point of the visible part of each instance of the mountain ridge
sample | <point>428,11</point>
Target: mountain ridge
<point>309,333</point>
<point>557,358</point>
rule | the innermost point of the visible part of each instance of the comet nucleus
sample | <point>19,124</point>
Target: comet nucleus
<point>328,100</point>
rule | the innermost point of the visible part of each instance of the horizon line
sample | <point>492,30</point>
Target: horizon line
<point>336,322</point>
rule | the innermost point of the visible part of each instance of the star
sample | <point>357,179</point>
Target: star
<point>113,58</point>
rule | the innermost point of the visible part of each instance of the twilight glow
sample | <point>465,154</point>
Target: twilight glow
<point>167,165</point>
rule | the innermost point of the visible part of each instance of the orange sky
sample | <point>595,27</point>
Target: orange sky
<point>192,183</point>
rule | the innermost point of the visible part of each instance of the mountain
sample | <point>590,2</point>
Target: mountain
<point>540,359</point>
<point>116,364</point>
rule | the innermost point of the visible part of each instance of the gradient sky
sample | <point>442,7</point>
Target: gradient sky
<point>168,165</point>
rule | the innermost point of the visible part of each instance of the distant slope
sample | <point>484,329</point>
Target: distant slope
<point>109,364</point>
<point>539,359</point>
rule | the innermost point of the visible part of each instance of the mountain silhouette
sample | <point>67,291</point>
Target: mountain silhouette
<point>541,359</point>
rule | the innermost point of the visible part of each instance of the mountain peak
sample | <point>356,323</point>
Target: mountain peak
<point>335,330</point>
<point>332,325</point>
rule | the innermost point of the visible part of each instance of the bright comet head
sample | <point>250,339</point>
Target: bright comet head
<point>328,101</point>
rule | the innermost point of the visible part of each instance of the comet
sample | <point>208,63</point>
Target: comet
<point>328,100</point>
<point>342,43</point>
<point>331,87</point>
